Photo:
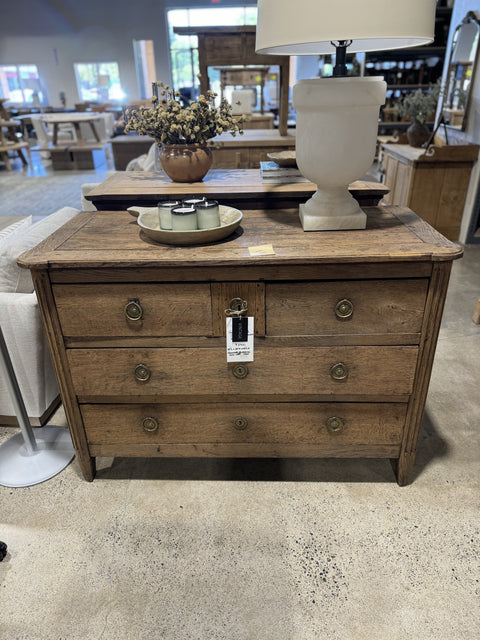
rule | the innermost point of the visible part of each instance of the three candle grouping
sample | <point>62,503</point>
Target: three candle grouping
<point>189,215</point>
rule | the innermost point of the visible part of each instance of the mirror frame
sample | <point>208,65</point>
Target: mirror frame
<point>468,19</point>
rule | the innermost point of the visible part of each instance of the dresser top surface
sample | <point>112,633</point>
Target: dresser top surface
<point>103,239</point>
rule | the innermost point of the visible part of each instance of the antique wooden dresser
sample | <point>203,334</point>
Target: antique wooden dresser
<point>345,327</point>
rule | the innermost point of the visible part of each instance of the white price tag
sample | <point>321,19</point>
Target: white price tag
<point>241,350</point>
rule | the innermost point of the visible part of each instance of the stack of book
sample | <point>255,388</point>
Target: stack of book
<point>273,173</point>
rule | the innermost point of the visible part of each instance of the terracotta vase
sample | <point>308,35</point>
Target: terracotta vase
<point>185,162</point>
<point>417,134</point>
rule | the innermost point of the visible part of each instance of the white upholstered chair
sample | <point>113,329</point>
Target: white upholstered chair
<point>21,322</point>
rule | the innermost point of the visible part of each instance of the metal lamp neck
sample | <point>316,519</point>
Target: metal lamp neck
<point>340,68</point>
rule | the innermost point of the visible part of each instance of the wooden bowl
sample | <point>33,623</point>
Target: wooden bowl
<point>149,222</point>
<point>284,158</point>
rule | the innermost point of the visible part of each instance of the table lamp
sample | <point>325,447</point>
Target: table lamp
<point>337,117</point>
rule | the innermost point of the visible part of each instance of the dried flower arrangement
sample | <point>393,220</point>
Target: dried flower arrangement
<point>168,121</point>
<point>421,104</point>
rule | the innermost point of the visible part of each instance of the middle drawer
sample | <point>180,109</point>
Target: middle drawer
<point>288,371</point>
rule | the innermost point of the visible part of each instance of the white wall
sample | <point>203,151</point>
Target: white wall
<point>54,34</point>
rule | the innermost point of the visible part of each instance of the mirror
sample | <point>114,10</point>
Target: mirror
<point>461,67</point>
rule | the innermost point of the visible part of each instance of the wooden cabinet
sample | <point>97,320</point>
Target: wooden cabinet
<point>434,183</point>
<point>235,45</point>
<point>345,331</point>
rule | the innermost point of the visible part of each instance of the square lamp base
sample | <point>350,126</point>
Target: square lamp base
<point>357,220</point>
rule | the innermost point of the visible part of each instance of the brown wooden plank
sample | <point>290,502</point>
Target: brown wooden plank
<point>393,234</point>
<point>153,342</point>
<point>244,273</point>
<point>97,310</point>
<point>310,308</point>
<point>234,450</point>
<point>275,372</point>
<point>361,423</point>
<point>433,313</point>
<point>430,236</point>
<point>137,186</point>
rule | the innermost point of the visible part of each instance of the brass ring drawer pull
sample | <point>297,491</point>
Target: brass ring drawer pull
<point>142,373</point>
<point>339,371</point>
<point>335,424</point>
<point>133,310</point>
<point>240,371</point>
<point>344,309</point>
<point>240,423</point>
<point>150,424</point>
<point>237,308</point>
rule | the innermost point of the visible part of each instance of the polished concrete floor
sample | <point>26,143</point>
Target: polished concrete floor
<point>260,550</point>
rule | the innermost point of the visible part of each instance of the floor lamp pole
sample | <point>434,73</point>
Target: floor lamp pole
<point>6,368</point>
<point>24,459</point>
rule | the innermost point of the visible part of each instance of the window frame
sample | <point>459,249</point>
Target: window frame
<point>26,101</point>
<point>96,88</point>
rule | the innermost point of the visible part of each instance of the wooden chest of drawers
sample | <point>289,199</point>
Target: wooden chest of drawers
<point>345,331</point>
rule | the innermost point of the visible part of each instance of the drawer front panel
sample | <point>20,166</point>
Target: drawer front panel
<point>315,423</point>
<point>369,307</point>
<point>374,371</point>
<point>100,310</point>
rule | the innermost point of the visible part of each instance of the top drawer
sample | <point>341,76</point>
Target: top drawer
<point>348,307</point>
<point>319,308</point>
<point>97,310</point>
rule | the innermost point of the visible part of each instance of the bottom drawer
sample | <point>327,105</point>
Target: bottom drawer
<point>255,429</point>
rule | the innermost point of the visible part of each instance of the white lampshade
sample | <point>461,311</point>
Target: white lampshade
<point>305,27</point>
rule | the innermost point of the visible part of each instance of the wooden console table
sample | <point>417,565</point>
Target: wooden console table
<point>220,46</point>
<point>346,324</point>
<point>242,189</point>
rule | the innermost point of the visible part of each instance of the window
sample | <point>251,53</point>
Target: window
<point>145,66</point>
<point>20,84</point>
<point>98,81</point>
<point>184,49</point>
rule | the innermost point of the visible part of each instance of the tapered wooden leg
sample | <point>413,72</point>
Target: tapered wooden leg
<point>402,468</point>
<point>88,467</point>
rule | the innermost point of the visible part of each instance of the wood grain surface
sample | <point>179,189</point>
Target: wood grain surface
<point>234,187</point>
<point>276,373</point>
<point>363,423</point>
<point>395,273</point>
<point>393,234</point>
